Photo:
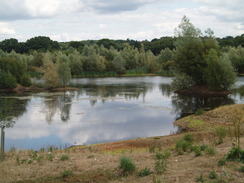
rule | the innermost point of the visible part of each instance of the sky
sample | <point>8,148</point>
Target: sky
<point>75,20</point>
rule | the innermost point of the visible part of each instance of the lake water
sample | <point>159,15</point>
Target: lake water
<point>103,110</point>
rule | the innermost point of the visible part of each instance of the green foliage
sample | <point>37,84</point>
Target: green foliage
<point>64,157</point>
<point>199,111</point>
<point>16,68</point>
<point>212,175</point>
<point>181,82</point>
<point>50,157</point>
<point>241,169</point>
<point>210,151</point>
<point>200,179</point>
<point>221,133</point>
<point>161,161</point>
<point>184,144</point>
<point>144,172</point>
<point>66,173</point>
<point>63,70</point>
<point>219,74</point>
<point>90,156</point>
<point>7,80</point>
<point>222,162</point>
<point>197,151</point>
<point>235,154</point>
<point>127,166</point>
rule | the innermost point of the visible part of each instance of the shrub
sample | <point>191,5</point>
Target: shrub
<point>188,138</point>
<point>64,157</point>
<point>50,157</point>
<point>241,169</point>
<point>66,173</point>
<point>235,154</point>
<point>221,162</point>
<point>212,175</point>
<point>7,80</point>
<point>181,82</point>
<point>210,151</point>
<point>161,161</point>
<point>221,133</point>
<point>127,166</point>
<point>144,172</point>
<point>203,147</point>
<point>197,151</point>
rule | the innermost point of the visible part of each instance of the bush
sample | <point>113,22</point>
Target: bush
<point>7,80</point>
<point>64,157</point>
<point>127,166</point>
<point>197,151</point>
<point>212,175</point>
<point>161,161</point>
<point>241,169</point>
<point>221,162</point>
<point>144,172</point>
<point>210,151</point>
<point>235,154</point>
<point>221,133</point>
<point>181,82</point>
<point>66,173</point>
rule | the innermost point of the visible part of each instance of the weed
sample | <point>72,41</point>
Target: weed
<point>144,172</point>
<point>203,147</point>
<point>235,154</point>
<point>196,124</point>
<point>188,138</point>
<point>161,161</point>
<point>90,156</point>
<point>241,169</point>
<point>50,157</point>
<point>152,148</point>
<point>199,111</point>
<point>40,158</point>
<point>200,179</point>
<point>64,158</point>
<point>212,175</point>
<point>17,160</point>
<point>221,133</point>
<point>34,155</point>
<point>66,173</point>
<point>197,151</point>
<point>210,151</point>
<point>29,161</point>
<point>221,162</point>
<point>127,166</point>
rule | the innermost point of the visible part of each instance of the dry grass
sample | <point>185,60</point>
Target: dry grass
<point>99,163</point>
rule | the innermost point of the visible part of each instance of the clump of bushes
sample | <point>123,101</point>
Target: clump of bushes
<point>126,166</point>
<point>161,161</point>
<point>184,144</point>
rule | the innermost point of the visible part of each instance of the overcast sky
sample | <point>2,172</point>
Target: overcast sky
<point>66,20</point>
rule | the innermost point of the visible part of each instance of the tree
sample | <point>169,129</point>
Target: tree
<point>63,70</point>
<point>8,45</point>
<point>119,64</point>
<point>50,71</point>
<point>7,80</point>
<point>220,74</point>
<point>42,43</point>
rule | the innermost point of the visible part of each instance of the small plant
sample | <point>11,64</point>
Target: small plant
<point>203,147</point>
<point>17,160</point>
<point>235,154</point>
<point>90,156</point>
<point>197,151</point>
<point>144,172</point>
<point>241,169</point>
<point>221,133</point>
<point>50,157</point>
<point>66,173</point>
<point>199,111</point>
<point>152,148</point>
<point>64,158</point>
<point>161,161</point>
<point>210,151</point>
<point>188,138</point>
<point>200,179</point>
<point>127,166</point>
<point>221,162</point>
<point>34,155</point>
<point>212,175</point>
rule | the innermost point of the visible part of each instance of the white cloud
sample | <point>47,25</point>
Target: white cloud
<point>5,29</point>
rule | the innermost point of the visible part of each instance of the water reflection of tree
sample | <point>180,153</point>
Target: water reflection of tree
<point>128,91</point>
<point>166,89</point>
<point>10,110</point>
<point>185,105</point>
<point>55,104</point>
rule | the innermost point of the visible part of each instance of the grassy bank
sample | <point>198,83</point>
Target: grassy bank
<point>197,155</point>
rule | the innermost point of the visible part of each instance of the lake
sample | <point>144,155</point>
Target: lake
<point>103,110</point>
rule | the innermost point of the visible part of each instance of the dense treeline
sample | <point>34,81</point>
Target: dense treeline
<point>188,52</point>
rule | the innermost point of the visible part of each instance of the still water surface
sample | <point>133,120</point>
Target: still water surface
<point>103,110</point>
